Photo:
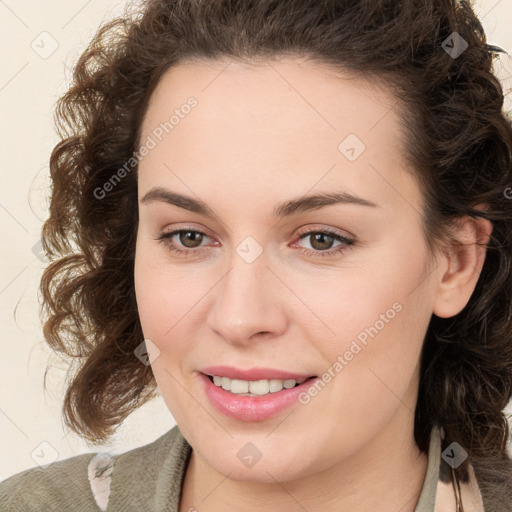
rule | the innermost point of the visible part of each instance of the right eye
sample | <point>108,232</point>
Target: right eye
<point>185,237</point>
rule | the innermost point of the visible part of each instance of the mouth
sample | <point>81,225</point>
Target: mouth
<point>255,388</point>
<point>253,395</point>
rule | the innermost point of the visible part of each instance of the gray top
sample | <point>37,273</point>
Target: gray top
<point>148,478</point>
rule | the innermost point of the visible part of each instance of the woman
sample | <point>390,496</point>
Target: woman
<point>291,217</point>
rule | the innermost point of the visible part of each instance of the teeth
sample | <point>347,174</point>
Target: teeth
<point>239,386</point>
<point>275,385</point>
<point>254,387</point>
<point>288,383</point>
<point>226,383</point>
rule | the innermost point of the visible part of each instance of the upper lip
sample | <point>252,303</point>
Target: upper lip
<point>252,373</point>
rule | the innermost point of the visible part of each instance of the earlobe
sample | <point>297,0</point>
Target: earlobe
<point>463,263</point>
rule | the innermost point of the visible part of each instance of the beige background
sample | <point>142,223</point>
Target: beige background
<point>41,42</point>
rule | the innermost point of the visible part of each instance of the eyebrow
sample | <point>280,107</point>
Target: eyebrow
<point>285,209</point>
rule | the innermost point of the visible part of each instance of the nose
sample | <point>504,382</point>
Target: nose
<point>248,303</point>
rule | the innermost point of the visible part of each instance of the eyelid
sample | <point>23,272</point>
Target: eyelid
<point>324,229</point>
<point>345,244</point>
<point>345,241</point>
<point>302,231</point>
<point>187,227</point>
<point>310,228</point>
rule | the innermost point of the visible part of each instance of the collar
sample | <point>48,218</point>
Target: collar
<point>162,466</point>
<point>438,491</point>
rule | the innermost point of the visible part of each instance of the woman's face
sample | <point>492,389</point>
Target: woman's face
<point>263,289</point>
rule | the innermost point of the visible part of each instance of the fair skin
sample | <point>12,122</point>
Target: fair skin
<point>260,135</point>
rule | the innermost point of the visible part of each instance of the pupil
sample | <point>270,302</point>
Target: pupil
<point>190,236</point>
<point>318,237</point>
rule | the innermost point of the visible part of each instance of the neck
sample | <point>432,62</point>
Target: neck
<point>387,474</point>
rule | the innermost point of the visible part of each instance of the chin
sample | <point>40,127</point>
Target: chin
<point>281,465</point>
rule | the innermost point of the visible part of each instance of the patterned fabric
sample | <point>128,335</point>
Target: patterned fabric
<point>447,488</point>
<point>99,473</point>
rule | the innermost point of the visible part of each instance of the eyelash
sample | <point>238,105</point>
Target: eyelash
<point>347,242</point>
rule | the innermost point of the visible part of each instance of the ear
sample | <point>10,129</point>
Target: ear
<point>461,264</point>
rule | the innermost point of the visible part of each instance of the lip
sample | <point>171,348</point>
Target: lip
<point>252,408</point>
<point>252,373</point>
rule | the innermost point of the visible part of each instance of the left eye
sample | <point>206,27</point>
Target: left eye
<point>321,242</point>
<point>320,239</point>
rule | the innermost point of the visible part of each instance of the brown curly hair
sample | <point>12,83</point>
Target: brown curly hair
<point>459,146</point>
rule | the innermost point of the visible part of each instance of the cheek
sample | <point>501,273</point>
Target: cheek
<point>162,294</point>
<point>160,308</point>
<point>168,302</point>
<point>379,319</point>
<point>149,307</point>
<point>363,303</point>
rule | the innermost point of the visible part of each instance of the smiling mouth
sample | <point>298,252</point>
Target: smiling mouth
<point>255,387</point>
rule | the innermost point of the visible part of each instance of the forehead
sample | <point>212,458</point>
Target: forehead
<point>285,122</point>
<point>273,93</point>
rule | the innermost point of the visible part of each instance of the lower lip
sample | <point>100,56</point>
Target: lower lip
<point>252,408</point>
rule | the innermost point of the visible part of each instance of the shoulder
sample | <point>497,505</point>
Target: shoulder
<point>150,476</point>
<point>82,483</point>
<point>53,487</point>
